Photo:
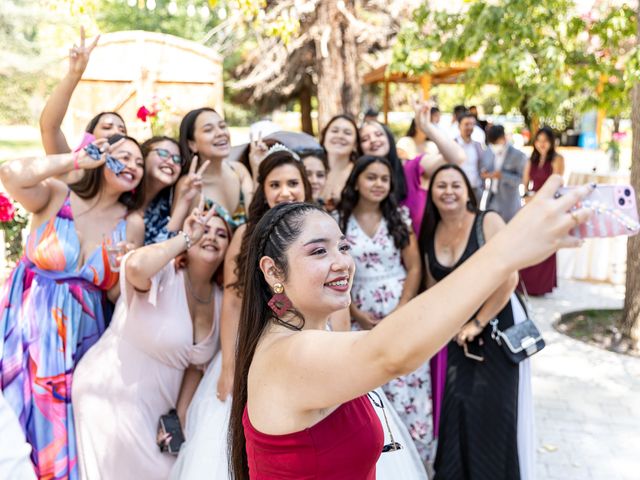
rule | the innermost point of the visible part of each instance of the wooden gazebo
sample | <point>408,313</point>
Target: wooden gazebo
<point>130,69</point>
<point>442,74</point>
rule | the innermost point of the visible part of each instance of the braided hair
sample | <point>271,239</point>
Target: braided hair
<point>272,237</point>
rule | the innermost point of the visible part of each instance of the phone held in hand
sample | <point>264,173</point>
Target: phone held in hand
<point>113,164</point>
<point>170,423</point>
<point>615,211</point>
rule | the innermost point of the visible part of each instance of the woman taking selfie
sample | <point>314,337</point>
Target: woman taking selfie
<point>299,404</point>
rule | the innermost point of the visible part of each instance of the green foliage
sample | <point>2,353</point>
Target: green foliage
<point>545,60</point>
<point>13,234</point>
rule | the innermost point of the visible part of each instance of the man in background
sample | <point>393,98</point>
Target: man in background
<point>502,166</point>
<point>473,150</point>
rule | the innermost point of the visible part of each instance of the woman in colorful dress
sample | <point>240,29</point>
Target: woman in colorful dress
<point>545,161</point>
<point>227,186</point>
<point>53,302</point>
<point>385,252</point>
<point>164,332</point>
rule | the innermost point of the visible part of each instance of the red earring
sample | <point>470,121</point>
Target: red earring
<point>279,303</point>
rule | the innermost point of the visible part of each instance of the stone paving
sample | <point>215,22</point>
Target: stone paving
<point>587,400</point>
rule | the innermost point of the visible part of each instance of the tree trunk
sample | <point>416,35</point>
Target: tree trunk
<point>630,322</point>
<point>305,106</point>
<point>337,61</point>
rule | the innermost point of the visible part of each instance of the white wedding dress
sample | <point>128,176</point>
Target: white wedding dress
<point>204,454</point>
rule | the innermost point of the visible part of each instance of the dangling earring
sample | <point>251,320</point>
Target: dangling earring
<point>279,303</point>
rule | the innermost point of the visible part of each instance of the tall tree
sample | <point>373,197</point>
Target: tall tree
<point>630,322</point>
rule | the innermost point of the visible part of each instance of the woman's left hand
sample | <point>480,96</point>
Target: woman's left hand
<point>467,333</point>
<point>196,223</point>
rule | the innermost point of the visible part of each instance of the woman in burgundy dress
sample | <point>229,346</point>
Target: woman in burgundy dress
<point>300,408</point>
<point>540,279</point>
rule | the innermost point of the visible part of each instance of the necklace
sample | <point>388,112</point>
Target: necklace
<point>193,293</point>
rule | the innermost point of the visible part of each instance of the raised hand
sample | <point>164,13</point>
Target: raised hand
<point>422,111</point>
<point>195,225</point>
<point>257,151</point>
<point>79,54</point>
<point>85,160</point>
<point>192,186</point>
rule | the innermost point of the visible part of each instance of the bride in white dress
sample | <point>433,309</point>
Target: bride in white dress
<point>204,454</point>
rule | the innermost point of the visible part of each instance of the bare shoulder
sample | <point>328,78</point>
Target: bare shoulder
<point>492,223</point>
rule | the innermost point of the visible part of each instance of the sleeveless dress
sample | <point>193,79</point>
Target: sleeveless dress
<point>133,375</point>
<point>541,278</point>
<point>377,288</point>
<point>479,420</point>
<point>52,312</point>
<point>343,446</point>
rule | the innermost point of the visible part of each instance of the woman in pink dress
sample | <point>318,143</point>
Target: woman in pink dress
<point>151,358</point>
<point>541,278</point>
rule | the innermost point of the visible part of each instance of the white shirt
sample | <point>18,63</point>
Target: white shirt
<point>498,160</point>
<point>14,450</point>
<point>470,165</point>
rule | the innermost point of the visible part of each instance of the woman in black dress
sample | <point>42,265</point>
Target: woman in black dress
<point>478,426</point>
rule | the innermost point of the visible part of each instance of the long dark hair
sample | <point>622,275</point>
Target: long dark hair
<point>187,127</point>
<point>272,237</point>
<point>358,151</point>
<point>350,197</point>
<point>93,123</point>
<point>259,207</point>
<point>535,154</point>
<point>397,171</point>
<point>91,182</point>
<point>432,217</point>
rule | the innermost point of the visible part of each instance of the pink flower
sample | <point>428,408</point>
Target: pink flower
<point>618,136</point>
<point>7,210</point>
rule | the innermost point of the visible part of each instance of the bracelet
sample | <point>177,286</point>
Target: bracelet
<point>477,323</point>
<point>187,239</point>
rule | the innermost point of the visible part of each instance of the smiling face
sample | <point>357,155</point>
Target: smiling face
<point>130,155</point>
<point>160,165</point>
<point>449,191</point>
<point>374,183</point>
<point>374,140</point>
<point>320,267</point>
<point>211,139</point>
<point>542,143</point>
<point>340,137</point>
<point>316,174</point>
<point>210,250</point>
<point>109,124</point>
<point>283,184</point>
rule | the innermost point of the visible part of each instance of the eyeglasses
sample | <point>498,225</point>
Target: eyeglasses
<point>393,445</point>
<point>165,154</point>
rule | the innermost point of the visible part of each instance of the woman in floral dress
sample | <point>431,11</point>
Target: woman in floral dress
<point>387,276</point>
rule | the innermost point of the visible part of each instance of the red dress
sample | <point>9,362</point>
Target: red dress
<point>541,278</point>
<point>343,446</point>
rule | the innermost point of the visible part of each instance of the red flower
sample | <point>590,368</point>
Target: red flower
<point>7,210</point>
<point>144,113</point>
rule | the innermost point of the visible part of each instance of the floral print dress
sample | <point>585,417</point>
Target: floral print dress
<point>377,288</point>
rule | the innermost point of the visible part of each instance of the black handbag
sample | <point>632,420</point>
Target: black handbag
<point>519,341</point>
<point>523,339</point>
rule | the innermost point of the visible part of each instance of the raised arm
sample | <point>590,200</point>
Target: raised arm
<point>450,150</point>
<point>29,180</point>
<point>147,261</point>
<point>53,140</point>
<point>332,368</point>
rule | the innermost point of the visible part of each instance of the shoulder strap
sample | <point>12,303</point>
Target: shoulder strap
<point>479,229</point>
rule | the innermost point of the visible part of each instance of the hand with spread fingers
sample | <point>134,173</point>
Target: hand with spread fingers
<point>191,187</point>
<point>257,151</point>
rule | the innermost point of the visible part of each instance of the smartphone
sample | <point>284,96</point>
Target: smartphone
<point>615,212</point>
<point>170,423</point>
<point>112,163</point>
